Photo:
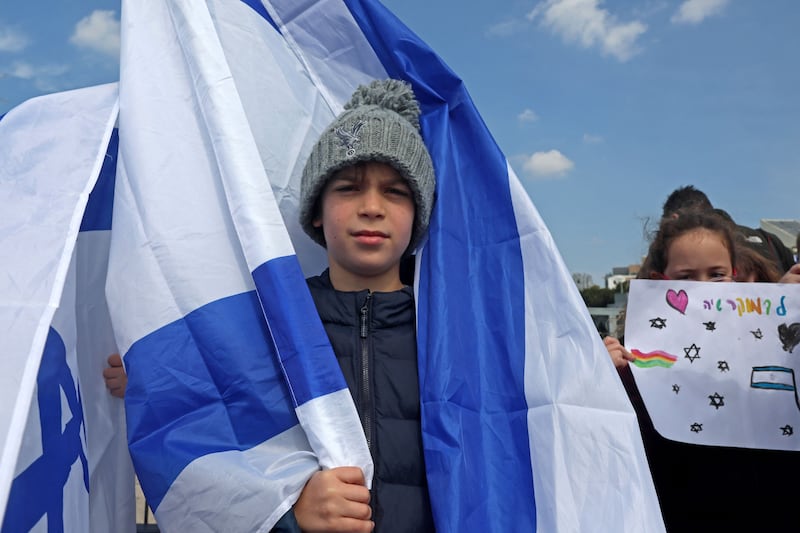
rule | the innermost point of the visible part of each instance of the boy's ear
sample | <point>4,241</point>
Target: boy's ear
<point>317,222</point>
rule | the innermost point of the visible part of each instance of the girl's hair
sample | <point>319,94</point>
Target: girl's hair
<point>750,263</point>
<point>671,228</point>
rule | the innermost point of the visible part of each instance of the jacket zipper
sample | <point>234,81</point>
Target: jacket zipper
<point>366,399</point>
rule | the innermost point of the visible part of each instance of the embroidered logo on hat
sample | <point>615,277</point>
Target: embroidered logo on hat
<point>350,138</point>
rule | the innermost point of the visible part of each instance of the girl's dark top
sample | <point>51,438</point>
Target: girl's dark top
<point>713,488</point>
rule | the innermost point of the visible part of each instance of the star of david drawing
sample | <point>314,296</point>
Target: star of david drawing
<point>676,388</point>
<point>710,326</point>
<point>757,334</point>
<point>717,401</point>
<point>692,352</point>
<point>787,430</point>
<point>722,366</point>
<point>658,323</point>
<point>696,427</point>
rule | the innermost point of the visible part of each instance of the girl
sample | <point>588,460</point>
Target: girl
<point>696,245</point>
<point>706,488</point>
<point>752,267</point>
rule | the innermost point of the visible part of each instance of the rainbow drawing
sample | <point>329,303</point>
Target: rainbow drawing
<point>652,359</point>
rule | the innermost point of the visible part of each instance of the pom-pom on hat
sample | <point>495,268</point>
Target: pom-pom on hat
<point>379,123</point>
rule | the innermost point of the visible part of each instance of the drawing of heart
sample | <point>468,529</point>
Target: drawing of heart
<point>678,300</point>
<point>789,336</point>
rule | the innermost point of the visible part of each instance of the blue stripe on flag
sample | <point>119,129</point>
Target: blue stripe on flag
<point>472,348</point>
<point>38,491</point>
<point>302,343</point>
<point>97,216</point>
<point>221,378</point>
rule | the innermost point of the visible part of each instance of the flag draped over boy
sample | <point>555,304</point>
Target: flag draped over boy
<point>234,397</point>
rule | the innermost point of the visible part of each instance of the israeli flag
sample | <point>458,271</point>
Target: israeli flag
<point>65,465</point>
<point>234,396</point>
<point>225,354</point>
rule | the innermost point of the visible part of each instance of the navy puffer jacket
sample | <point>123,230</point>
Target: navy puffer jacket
<point>374,338</point>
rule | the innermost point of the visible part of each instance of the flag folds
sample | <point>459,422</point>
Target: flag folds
<point>235,397</point>
<point>524,419</point>
<point>225,354</point>
<point>65,465</point>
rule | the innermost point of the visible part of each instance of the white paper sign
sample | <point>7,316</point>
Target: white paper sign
<point>718,363</point>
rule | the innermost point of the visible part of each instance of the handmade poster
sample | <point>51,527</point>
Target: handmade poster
<point>717,363</point>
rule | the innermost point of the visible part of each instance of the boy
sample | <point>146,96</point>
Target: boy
<point>367,193</point>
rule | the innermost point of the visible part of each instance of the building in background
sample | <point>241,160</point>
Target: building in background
<point>786,230</point>
<point>620,275</point>
<point>607,304</point>
<point>608,320</point>
<point>582,280</point>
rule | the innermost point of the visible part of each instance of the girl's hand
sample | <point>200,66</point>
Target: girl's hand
<point>619,355</point>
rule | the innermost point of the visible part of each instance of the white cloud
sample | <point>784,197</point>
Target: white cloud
<point>12,40</point>
<point>586,23</point>
<point>41,75</point>
<point>588,138</point>
<point>99,32</point>
<point>547,164</point>
<point>695,11</point>
<point>528,115</point>
<point>23,71</point>
<point>26,71</point>
<point>44,77</point>
<point>506,28</point>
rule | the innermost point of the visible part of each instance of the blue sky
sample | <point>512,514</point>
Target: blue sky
<point>602,107</point>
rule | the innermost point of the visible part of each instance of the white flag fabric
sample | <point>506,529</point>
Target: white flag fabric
<point>224,351</point>
<point>65,465</point>
<point>525,423</point>
<point>235,397</point>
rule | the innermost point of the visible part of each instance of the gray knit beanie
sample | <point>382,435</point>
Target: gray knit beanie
<point>380,123</point>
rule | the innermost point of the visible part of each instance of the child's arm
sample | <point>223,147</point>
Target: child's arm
<point>619,355</point>
<point>335,500</point>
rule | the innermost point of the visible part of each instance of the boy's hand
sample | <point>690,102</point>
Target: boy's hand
<point>619,355</point>
<point>115,376</point>
<point>335,500</point>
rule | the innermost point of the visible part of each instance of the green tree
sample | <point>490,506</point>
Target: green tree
<point>597,296</point>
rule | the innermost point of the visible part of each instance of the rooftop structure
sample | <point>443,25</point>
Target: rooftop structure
<point>786,230</point>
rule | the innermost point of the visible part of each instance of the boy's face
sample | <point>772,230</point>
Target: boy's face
<point>367,216</point>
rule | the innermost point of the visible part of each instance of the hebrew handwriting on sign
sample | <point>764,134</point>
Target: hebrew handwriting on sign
<point>742,306</point>
<point>714,361</point>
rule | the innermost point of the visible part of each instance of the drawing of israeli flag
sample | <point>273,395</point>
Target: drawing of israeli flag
<point>526,426</point>
<point>65,465</point>
<point>773,377</point>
